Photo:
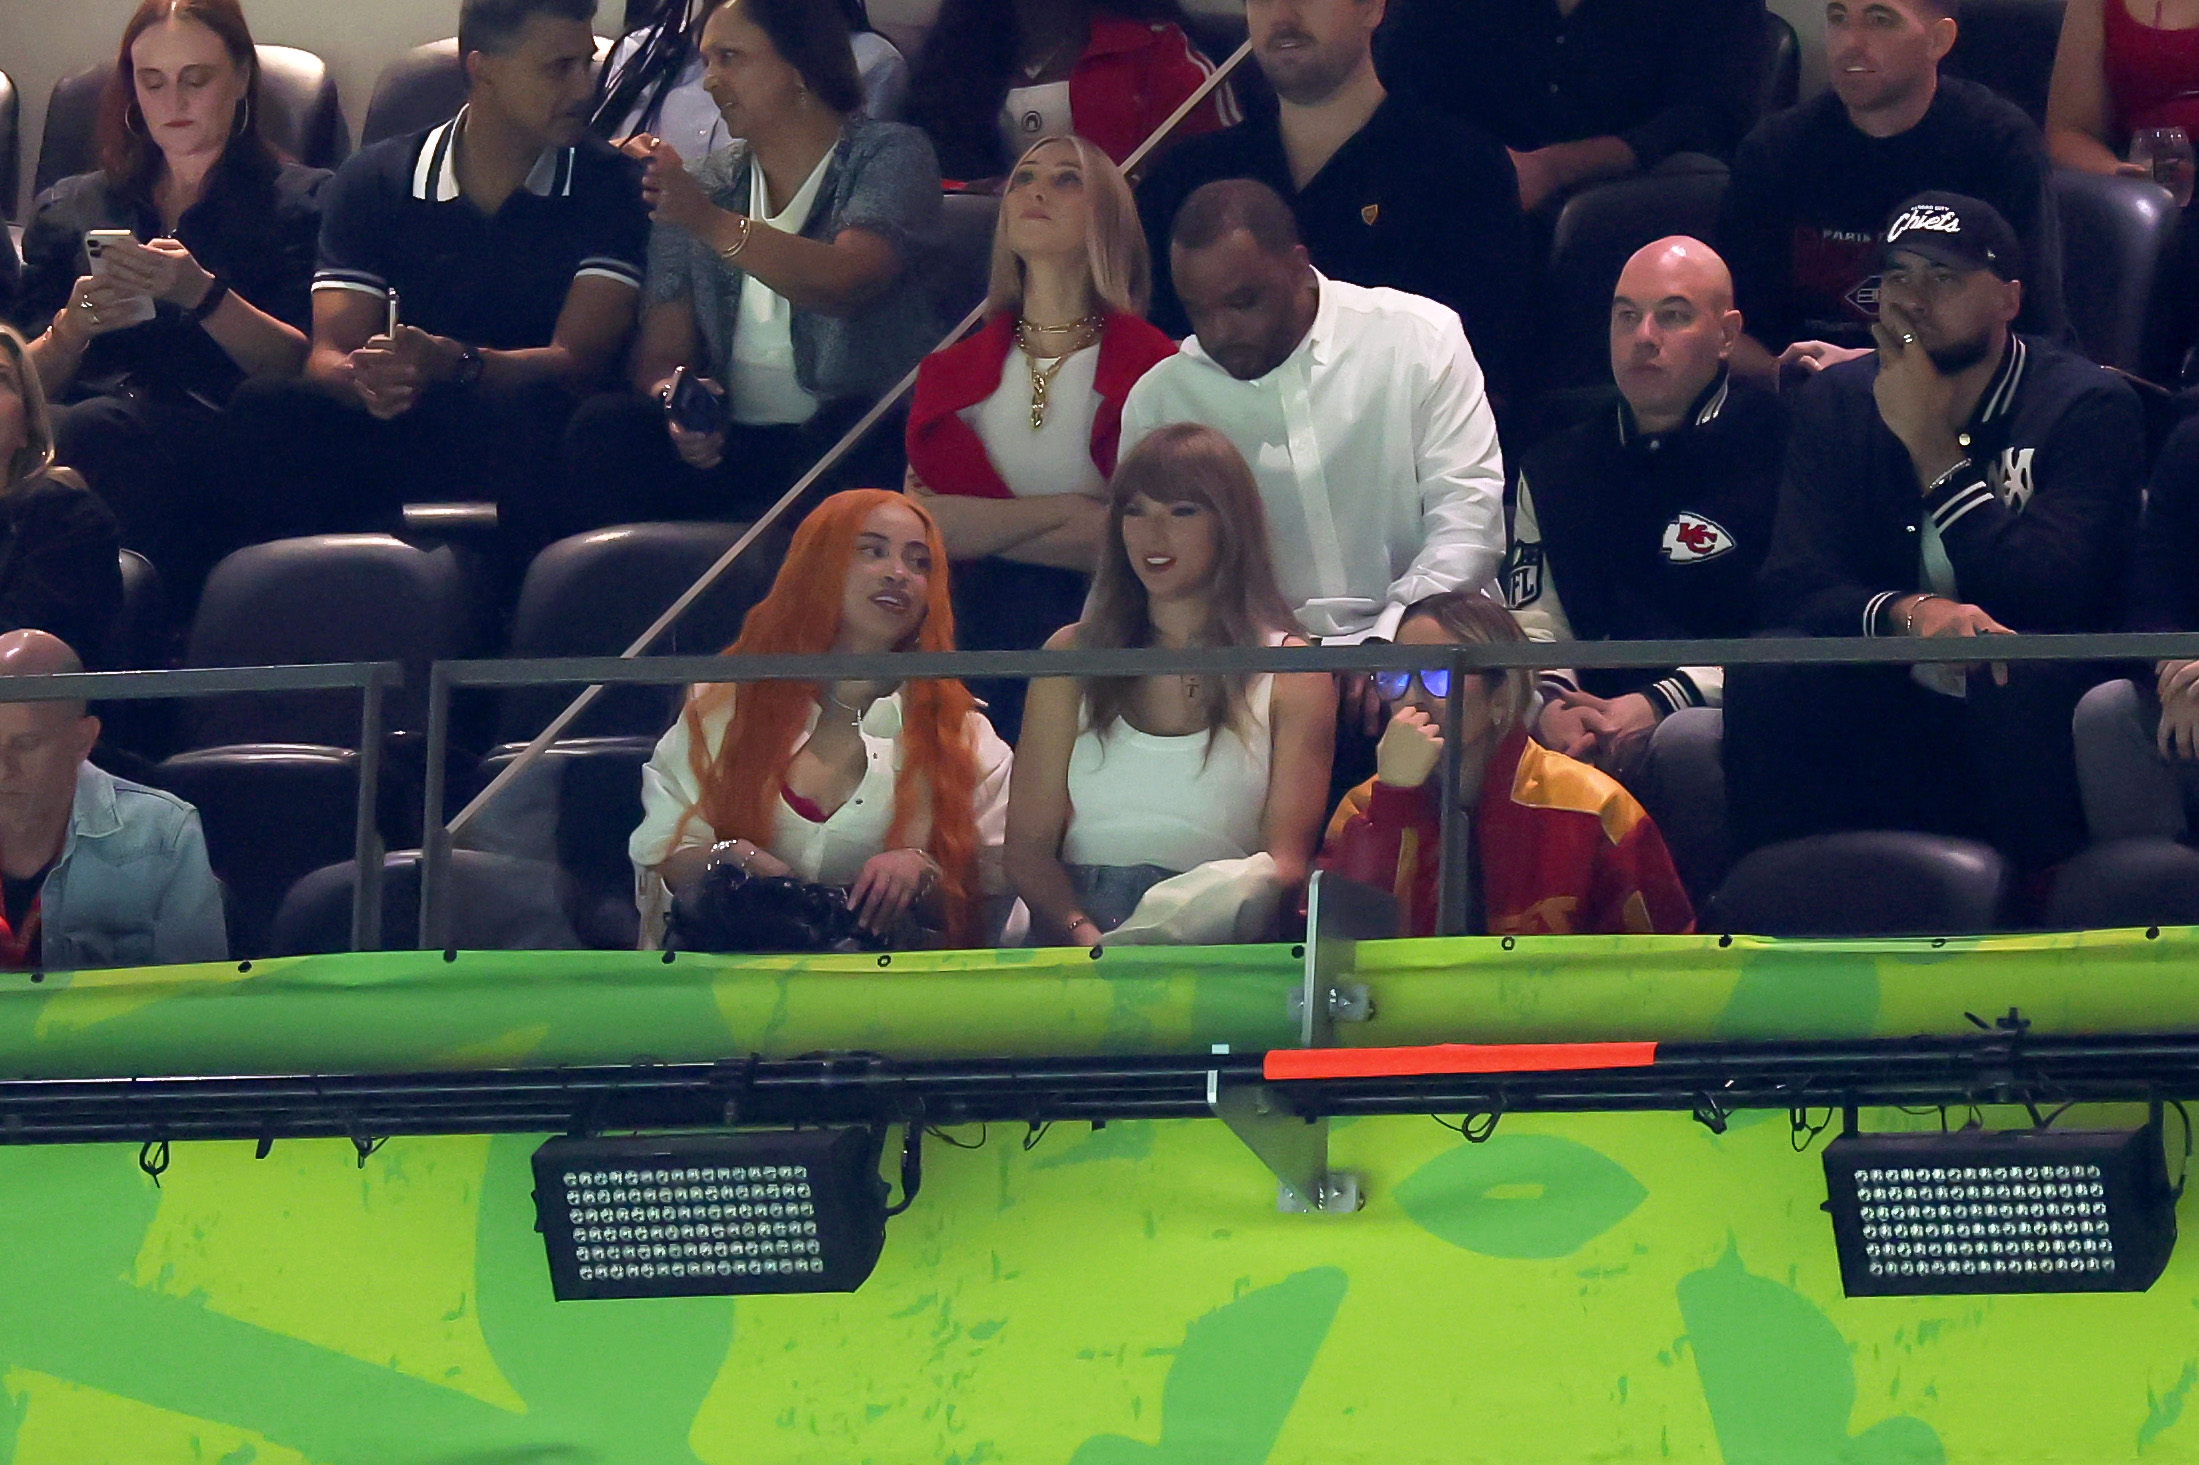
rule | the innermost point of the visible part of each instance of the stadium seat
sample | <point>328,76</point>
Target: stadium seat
<point>2127,882</point>
<point>11,145</point>
<point>303,116</point>
<point>417,90</point>
<point>139,629</point>
<point>272,812</point>
<point>2009,46</point>
<point>592,594</point>
<point>1596,232</point>
<point>575,809</point>
<point>2117,233</point>
<point>327,597</point>
<point>498,904</point>
<point>1780,85</point>
<point>965,269</point>
<point>1875,882</point>
<point>1682,784</point>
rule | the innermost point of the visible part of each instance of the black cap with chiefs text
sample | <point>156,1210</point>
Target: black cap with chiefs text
<point>1954,230</point>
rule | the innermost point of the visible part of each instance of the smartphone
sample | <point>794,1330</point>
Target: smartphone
<point>389,314</point>
<point>96,244</point>
<point>692,405</point>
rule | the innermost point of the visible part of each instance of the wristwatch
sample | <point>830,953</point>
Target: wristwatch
<point>468,370</point>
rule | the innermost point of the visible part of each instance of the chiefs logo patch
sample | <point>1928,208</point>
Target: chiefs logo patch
<point>1691,537</point>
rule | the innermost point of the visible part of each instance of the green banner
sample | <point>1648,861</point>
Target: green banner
<point>1593,1287</point>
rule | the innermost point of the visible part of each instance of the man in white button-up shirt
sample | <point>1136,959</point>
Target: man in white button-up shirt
<point>1361,411</point>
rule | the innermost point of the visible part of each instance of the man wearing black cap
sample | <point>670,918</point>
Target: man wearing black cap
<point>1959,481</point>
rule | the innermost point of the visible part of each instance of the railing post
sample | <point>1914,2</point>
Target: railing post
<point>1452,888</point>
<point>435,840</point>
<point>366,840</point>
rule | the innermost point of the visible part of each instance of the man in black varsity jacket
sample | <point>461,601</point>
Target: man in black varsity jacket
<point>1648,521</point>
<point>1960,481</point>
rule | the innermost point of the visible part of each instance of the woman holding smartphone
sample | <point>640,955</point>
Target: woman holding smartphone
<point>181,267</point>
<point>784,268</point>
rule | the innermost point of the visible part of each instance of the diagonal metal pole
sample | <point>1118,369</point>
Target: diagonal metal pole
<point>831,459</point>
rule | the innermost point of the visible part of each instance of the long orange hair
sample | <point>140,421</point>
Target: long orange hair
<point>801,616</point>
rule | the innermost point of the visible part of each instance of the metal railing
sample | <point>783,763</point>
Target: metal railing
<point>447,677</point>
<point>370,679</point>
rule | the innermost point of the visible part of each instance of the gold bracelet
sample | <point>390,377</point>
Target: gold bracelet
<point>746,225</point>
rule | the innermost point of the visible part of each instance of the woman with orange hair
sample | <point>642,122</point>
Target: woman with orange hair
<point>898,792</point>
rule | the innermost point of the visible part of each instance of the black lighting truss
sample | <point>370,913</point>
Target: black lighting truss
<point>1709,1080</point>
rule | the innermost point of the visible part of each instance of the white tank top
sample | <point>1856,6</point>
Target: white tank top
<point>1139,799</point>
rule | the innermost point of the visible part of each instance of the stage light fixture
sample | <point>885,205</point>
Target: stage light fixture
<point>694,1215</point>
<point>2030,1210</point>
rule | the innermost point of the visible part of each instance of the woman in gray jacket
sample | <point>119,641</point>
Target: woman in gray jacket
<point>786,280</point>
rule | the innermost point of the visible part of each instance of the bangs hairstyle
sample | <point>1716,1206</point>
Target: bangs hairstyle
<point>36,457</point>
<point>1185,463</point>
<point>127,155</point>
<point>812,37</point>
<point>1472,619</point>
<point>801,616</point>
<point>1115,255</point>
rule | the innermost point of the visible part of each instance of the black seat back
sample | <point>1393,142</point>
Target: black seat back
<point>965,259</point>
<point>11,145</point>
<point>592,594</point>
<point>2009,46</point>
<point>1873,882</point>
<point>2127,882</point>
<point>2117,234</point>
<point>327,597</point>
<point>1596,232</point>
<point>424,86</point>
<point>497,904</point>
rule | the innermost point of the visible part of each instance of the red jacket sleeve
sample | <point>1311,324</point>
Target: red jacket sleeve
<point>1394,844</point>
<point>1178,69</point>
<point>1637,890</point>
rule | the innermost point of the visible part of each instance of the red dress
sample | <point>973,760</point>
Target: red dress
<point>2152,73</point>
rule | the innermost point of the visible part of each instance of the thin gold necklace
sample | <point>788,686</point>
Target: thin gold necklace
<point>1086,331</point>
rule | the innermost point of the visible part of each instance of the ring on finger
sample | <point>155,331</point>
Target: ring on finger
<point>1907,339</point>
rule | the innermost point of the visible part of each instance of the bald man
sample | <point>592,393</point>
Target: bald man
<point>95,871</point>
<point>1648,521</point>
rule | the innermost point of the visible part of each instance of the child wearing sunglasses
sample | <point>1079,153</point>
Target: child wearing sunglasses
<point>1559,848</point>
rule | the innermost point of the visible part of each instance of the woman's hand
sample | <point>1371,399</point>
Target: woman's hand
<point>700,450</point>
<point>889,885</point>
<point>1411,747</point>
<point>671,192</point>
<point>96,306</point>
<point>163,269</point>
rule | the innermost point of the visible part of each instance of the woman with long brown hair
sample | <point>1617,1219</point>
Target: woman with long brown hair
<point>59,571</point>
<point>206,284</point>
<point>1122,782</point>
<point>897,791</point>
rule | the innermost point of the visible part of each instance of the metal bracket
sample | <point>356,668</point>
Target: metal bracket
<point>1339,915</point>
<point>1294,1147</point>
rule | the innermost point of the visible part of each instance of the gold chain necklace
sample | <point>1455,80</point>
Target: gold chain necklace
<point>1085,332</point>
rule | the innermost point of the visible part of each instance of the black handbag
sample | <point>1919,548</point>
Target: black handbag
<point>732,910</point>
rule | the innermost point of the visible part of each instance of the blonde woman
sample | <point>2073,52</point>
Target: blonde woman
<point>1012,433</point>
<point>59,570</point>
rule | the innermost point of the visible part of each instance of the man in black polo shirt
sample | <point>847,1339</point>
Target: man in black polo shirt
<point>1812,186</point>
<point>1585,91</point>
<point>1385,191</point>
<point>1959,481</point>
<point>509,244</point>
<point>1648,522</point>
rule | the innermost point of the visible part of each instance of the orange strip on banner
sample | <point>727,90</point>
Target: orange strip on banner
<point>1283,1063</point>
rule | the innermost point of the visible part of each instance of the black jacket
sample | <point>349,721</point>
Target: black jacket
<point>2164,568</point>
<point>60,564</point>
<point>1634,537</point>
<point>2036,529</point>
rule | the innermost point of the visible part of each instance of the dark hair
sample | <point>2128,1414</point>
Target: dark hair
<point>960,79</point>
<point>493,25</point>
<point>1185,462</point>
<point>127,156</point>
<point>812,37</point>
<point>1229,204</point>
<point>1473,619</point>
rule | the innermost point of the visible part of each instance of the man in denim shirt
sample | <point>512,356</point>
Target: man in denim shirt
<point>95,871</point>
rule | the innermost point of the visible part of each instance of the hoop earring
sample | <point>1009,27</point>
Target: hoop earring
<point>133,121</point>
<point>243,123</point>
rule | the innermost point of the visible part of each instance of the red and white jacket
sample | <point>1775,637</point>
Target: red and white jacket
<point>1132,75</point>
<point>1564,849</point>
<point>947,453</point>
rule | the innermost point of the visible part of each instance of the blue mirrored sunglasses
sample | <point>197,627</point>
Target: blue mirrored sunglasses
<point>1395,684</point>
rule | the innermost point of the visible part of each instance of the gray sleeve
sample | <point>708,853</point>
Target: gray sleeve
<point>893,189</point>
<point>673,252</point>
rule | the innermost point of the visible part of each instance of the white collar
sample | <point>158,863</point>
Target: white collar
<point>435,168</point>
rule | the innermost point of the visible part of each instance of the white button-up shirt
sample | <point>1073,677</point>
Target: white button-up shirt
<point>1375,451</point>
